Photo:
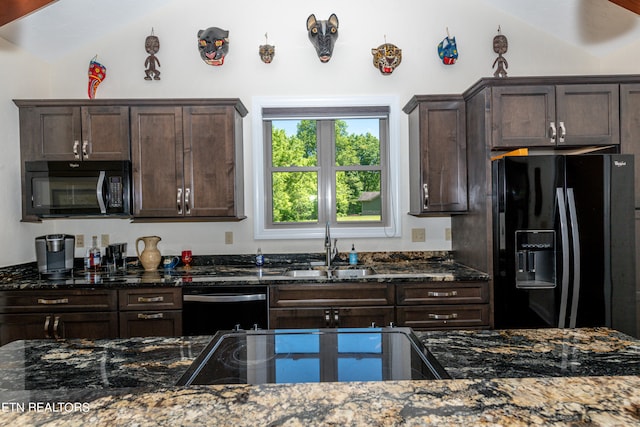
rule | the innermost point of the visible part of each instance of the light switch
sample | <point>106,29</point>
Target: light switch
<point>79,240</point>
<point>228,237</point>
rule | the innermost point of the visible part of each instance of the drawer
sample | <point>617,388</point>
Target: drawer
<point>444,316</point>
<point>331,295</point>
<point>58,300</point>
<point>150,323</point>
<point>150,299</point>
<point>442,293</point>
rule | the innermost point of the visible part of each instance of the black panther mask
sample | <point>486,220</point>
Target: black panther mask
<point>213,44</point>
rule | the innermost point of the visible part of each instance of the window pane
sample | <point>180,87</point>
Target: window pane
<point>357,142</point>
<point>293,143</point>
<point>358,196</point>
<point>295,196</point>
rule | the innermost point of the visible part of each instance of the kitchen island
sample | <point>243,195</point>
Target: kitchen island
<point>546,376</point>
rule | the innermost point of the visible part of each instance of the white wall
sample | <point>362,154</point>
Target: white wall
<point>416,26</point>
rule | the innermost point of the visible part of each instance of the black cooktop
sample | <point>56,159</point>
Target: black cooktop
<point>313,355</point>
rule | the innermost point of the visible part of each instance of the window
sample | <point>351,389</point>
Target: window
<point>323,164</point>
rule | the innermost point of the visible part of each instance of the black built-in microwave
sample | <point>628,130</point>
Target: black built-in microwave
<point>68,188</point>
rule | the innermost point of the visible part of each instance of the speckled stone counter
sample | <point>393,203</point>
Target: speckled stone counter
<point>517,377</point>
<point>238,270</point>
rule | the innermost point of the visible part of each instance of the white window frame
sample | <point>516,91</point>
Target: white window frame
<point>261,231</point>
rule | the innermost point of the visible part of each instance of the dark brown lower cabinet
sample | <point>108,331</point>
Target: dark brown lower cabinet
<point>94,325</point>
<point>150,312</point>
<point>443,305</point>
<point>331,305</point>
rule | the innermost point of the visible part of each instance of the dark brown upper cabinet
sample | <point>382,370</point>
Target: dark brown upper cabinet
<point>555,115</point>
<point>187,161</point>
<point>66,130</point>
<point>437,154</point>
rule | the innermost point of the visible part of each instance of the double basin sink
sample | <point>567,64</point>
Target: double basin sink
<point>330,272</point>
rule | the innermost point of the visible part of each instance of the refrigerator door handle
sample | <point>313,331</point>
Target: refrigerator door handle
<point>564,235</point>
<point>575,240</point>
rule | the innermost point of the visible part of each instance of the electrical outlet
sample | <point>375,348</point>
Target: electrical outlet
<point>228,237</point>
<point>447,233</point>
<point>417,235</point>
<point>104,240</point>
<point>79,240</point>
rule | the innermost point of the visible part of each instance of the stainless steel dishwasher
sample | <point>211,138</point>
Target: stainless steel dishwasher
<point>207,309</point>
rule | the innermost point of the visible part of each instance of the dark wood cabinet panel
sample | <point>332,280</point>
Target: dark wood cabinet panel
<point>630,129</point>
<point>444,316</point>
<point>151,324</point>
<point>74,133</point>
<point>332,295</point>
<point>93,325</point>
<point>157,156</point>
<point>148,312</point>
<point>58,300</point>
<point>555,115</point>
<point>331,317</point>
<point>442,293</point>
<point>187,162</point>
<point>437,155</point>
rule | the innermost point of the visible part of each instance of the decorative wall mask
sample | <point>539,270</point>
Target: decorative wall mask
<point>323,35</point>
<point>500,46</point>
<point>213,44</point>
<point>266,51</point>
<point>152,46</point>
<point>386,57</point>
<point>448,50</point>
<point>97,73</point>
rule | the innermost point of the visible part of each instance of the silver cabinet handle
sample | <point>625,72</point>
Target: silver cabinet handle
<point>47,320</point>
<point>327,318</point>
<point>442,294</point>
<point>56,322</point>
<point>187,206</point>
<point>144,316</point>
<point>150,299</point>
<point>563,131</point>
<point>443,316</point>
<point>425,196</point>
<point>76,145</point>
<point>336,318</point>
<point>179,201</point>
<point>552,132</point>
<point>85,149</point>
<point>53,301</point>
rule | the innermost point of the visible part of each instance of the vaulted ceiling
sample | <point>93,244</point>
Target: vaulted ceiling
<point>598,27</point>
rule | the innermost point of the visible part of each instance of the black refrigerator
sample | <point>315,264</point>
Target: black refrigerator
<point>564,241</point>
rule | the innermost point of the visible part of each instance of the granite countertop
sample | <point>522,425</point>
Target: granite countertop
<point>387,268</point>
<point>515,377</point>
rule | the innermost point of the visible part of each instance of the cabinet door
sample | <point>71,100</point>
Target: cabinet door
<point>105,133</point>
<point>157,156</point>
<point>331,317</point>
<point>438,156</point>
<point>630,130</point>
<point>209,159</point>
<point>444,316</point>
<point>15,327</point>
<point>522,116</point>
<point>587,114</point>
<point>151,324</point>
<point>294,318</point>
<point>50,133</point>
<point>363,317</point>
<point>85,325</point>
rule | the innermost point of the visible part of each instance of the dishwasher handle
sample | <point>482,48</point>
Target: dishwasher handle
<point>224,298</point>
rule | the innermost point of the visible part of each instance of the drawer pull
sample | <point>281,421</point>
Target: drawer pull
<point>47,320</point>
<point>56,322</point>
<point>150,299</point>
<point>150,316</point>
<point>53,301</point>
<point>442,294</point>
<point>443,316</point>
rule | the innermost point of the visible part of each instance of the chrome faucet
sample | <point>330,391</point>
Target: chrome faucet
<point>331,252</point>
